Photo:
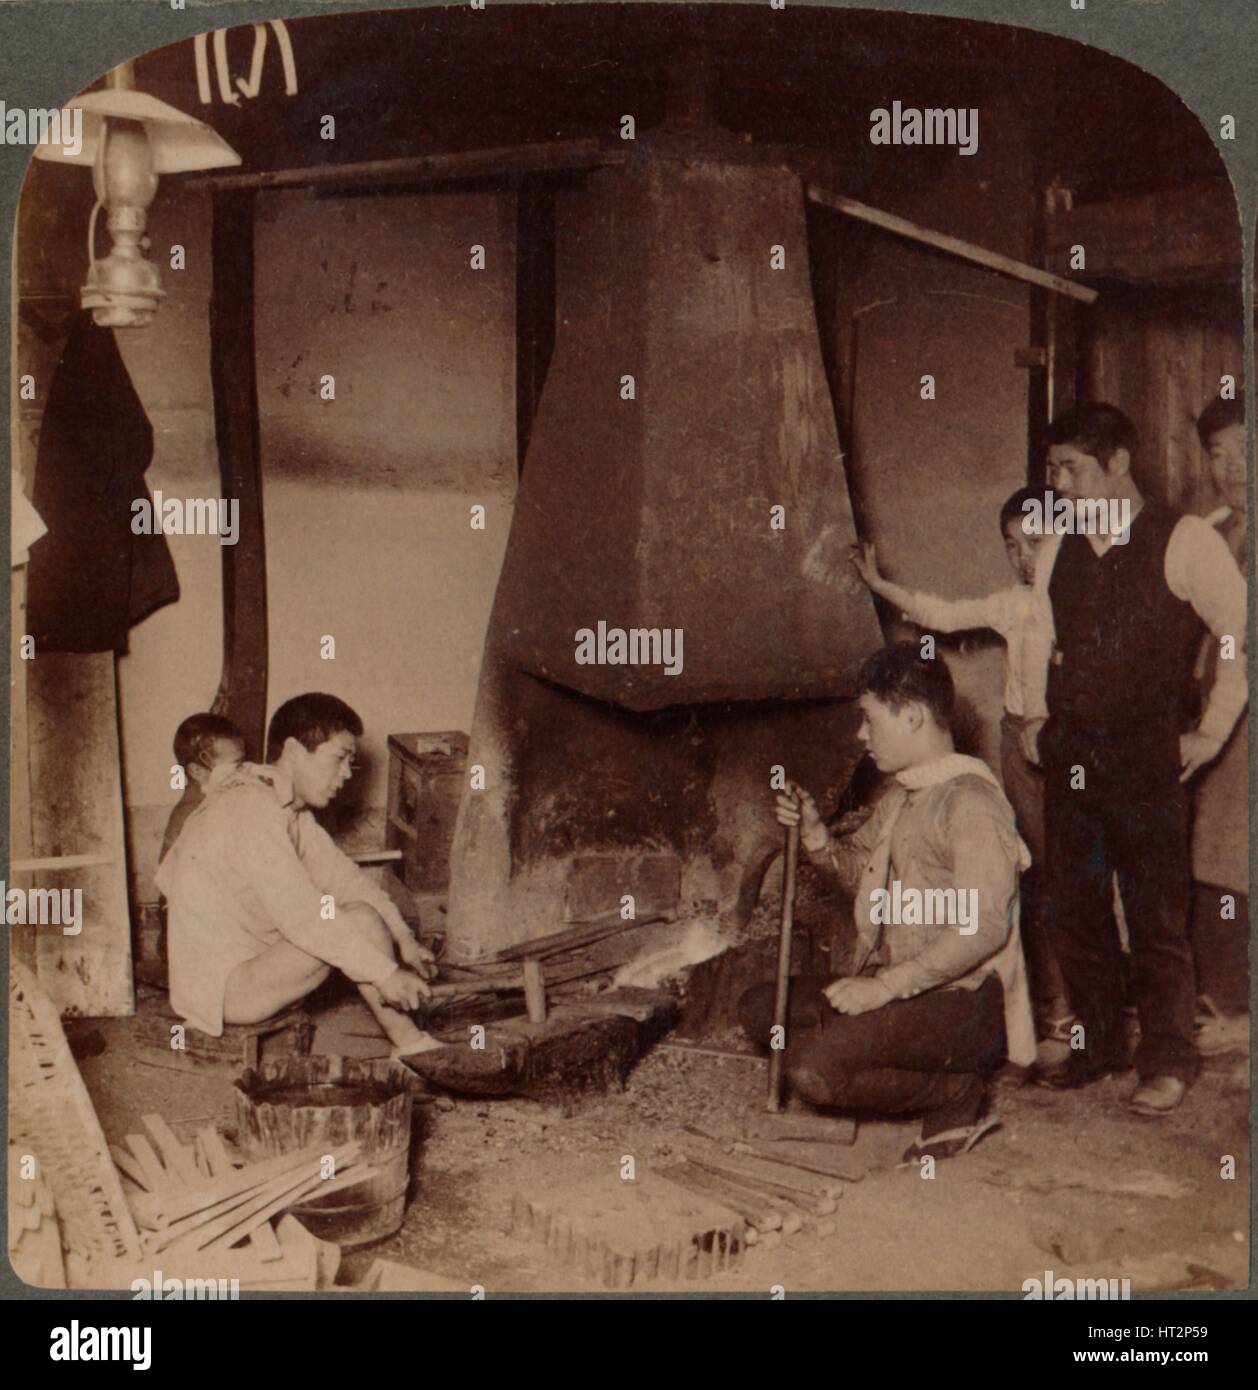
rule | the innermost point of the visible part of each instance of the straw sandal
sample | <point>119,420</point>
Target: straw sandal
<point>949,1142</point>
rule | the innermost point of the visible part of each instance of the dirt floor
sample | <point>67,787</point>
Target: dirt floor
<point>1069,1183</point>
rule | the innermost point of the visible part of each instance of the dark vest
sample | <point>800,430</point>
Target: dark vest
<point>1126,645</point>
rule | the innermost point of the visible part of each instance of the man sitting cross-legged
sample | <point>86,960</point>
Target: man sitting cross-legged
<point>263,905</point>
<point>932,1006</point>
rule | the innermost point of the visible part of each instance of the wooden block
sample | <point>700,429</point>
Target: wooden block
<point>265,1244</point>
<point>178,1159</point>
<point>605,1228</point>
<point>295,1238</point>
<point>215,1151</point>
<point>563,1057</point>
<point>159,1180</point>
<point>286,1034</point>
<point>569,1057</point>
<point>126,1163</point>
<point>497,1069</point>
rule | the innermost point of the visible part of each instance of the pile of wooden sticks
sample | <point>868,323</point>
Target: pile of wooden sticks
<point>192,1200</point>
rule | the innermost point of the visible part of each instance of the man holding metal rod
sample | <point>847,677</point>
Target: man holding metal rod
<point>937,995</point>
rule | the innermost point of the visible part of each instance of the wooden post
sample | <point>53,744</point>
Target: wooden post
<point>233,374</point>
<point>534,991</point>
<point>782,996</point>
<point>77,829</point>
<point>534,302</point>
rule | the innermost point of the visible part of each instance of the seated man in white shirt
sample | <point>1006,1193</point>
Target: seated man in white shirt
<point>263,905</point>
<point>1022,615</point>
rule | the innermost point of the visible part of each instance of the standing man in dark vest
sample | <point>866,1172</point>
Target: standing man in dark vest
<point>1134,588</point>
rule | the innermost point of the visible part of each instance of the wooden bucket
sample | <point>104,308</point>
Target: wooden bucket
<point>290,1104</point>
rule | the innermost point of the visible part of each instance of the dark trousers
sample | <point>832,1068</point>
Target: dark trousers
<point>924,1056</point>
<point>1220,946</point>
<point>1024,786</point>
<point>1135,826</point>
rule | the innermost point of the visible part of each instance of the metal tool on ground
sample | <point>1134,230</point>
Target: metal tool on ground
<point>801,1127</point>
<point>789,1155</point>
<point>758,1209</point>
<point>796,1190</point>
<point>781,997</point>
<point>812,1159</point>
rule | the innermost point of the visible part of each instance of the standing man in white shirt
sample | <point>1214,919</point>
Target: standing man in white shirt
<point>1130,610</point>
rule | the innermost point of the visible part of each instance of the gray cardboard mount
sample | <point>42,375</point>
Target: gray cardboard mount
<point>1204,50</point>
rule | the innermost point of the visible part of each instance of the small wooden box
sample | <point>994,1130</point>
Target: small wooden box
<point>289,1033</point>
<point>426,780</point>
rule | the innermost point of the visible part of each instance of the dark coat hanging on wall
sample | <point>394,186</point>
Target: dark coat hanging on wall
<point>91,578</point>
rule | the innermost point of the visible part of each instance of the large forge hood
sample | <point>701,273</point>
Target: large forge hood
<point>658,511</point>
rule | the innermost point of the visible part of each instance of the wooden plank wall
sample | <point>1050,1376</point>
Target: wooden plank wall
<point>1158,356</point>
<point>76,809</point>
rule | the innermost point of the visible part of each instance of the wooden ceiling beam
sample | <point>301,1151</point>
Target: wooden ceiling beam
<point>954,246</point>
<point>541,158</point>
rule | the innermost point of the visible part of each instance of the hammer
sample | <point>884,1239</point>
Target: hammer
<point>531,981</point>
<point>789,866</point>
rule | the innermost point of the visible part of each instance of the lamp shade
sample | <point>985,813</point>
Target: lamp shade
<point>179,143</point>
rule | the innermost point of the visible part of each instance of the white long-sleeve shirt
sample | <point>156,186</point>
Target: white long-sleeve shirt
<point>1199,570</point>
<point>1021,614</point>
<point>248,871</point>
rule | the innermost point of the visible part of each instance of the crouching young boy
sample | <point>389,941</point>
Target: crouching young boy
<point>204,744</point>
<point>938,996</point>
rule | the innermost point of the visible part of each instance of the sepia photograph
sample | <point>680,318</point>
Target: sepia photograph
<point>629,663</point>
